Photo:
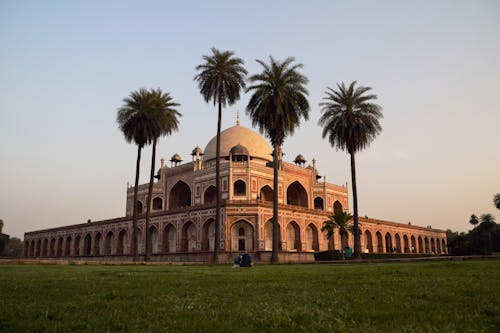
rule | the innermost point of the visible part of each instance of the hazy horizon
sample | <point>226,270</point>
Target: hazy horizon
<point>66,67</point>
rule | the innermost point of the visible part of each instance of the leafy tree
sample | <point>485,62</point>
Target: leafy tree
<point>277,105</point>
<point>351,122</point>
<point>340,220</point>
<point>473,220</point>
<point>13,248</point>
<point>164,113</point>
<point>496,200</point>
<point>487,225</point>
<point>138,121</point>
<point>220,78</point>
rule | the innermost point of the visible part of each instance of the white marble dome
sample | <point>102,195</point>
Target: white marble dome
<point>257,146</point>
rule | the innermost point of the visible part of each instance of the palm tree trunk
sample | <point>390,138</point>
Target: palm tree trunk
<point>134,214</point>
<point>150,195</point>
<point>217,186</point>
<point>276,237</point>
<point>357,244</point>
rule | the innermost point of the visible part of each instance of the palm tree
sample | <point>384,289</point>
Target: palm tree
<point>277,105</point>
<point>496,200</point>
<point>473,220</point>
<point>220,78</point>
<point>487,224</point>
<point>165,114</point>
<point>351,122</point>
<point>340,220</point>
<point>138,124</point>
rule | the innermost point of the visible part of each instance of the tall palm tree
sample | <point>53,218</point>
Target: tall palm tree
<point>351,122</point>
<point>220,78</point>
<point>278,104</point>
<point>165,114</point>
<point>473,220</point>
<point>496,200</point>
<point>340,220</point>
<point>138,124</point>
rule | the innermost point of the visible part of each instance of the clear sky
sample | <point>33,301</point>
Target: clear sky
<point>65,67</point>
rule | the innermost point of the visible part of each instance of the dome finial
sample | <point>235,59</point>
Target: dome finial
<point>238,118</point>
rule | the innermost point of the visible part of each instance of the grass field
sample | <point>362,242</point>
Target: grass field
<point>397,297</point>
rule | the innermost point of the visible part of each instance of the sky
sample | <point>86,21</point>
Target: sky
<point>65,67</point>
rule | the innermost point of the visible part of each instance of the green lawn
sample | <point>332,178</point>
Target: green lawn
<point>399,297</point>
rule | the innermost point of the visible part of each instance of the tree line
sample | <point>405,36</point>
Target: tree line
<point>277,105</point>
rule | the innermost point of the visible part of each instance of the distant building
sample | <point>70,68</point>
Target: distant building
<point>183,212</point>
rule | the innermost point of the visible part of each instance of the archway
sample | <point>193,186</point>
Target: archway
<point>380,244</point>
<point>208,236</point>
<point>296,195</point>
<point>97,244</point>
<point>45,247</point>
<point>312,243</point>
<point>368,242</point>
<point>67,246</point>
<point>157,203</point>
<point>87,245</point>
<point>76,245</point>
<point>153,239</point>
<point>38,250</point>
<point>169,238</point>
<point>388,243</point>
<point>426,244</point>
<point>180,196</point>
<point>337,207</point>
<point>239,188</point>
<point>443,246</point>
<point>188,242</point>
<point>266,193</point>
<point>438,246</point>
<point>433,246</point>
<point>122,243</point>
<point>268,235</point>
<point>210,195</point>
<point>413,242</point>
<point>318,203</point>
<point>108,243</point>
<point>59,247</point>
<point>52,248</point>
<point>242,236</point>
<point>398,243</point>
<point>420,245</point>
<point>139,207</point>
<point>406,245</point>
<point>293,237</point>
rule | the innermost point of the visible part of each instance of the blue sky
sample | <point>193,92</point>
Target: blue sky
<point>65,67</point>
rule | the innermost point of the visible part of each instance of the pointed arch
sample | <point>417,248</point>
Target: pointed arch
<point>67,246</point>
<point>413,242</point>
<point>368,241</point>
<point>406,244</point>
<point>52,248</point>
<point>59,247</point>
<point>433,246</point>
<point>398,243</point>
<point>180,195</point>
<point>266,193</point>
<point>312,243</point>
<point>380,244</point>
<point>122,242</point>
<point>153,239</point>
<point>188,241</point>
<point>242,236</point>
<point>337,207</point>
<point>140,207</point>
<point>293,237</point>
<point>438,246</point>
<point>157,203</point>
<point>210,195</point>
<point>108,243</point>
<point>240,188</point>
<point>76,245</point>
<point>388,243</point>
<point>45,247</point>
<point>318,203</point>
<point>169,238</point>
<point>87,245</point>
<point>208,235</point>
<point>420,245</point>
<point>426,245</point>
<point>296,195</point>
<point>97,251</point>
<point>38,250</point>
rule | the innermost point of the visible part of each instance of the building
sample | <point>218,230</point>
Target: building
<point>183,212</point>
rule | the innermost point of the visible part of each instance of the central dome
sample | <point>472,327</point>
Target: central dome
<point>238,135</point>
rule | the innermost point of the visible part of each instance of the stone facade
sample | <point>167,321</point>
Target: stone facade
<point>183,213</point>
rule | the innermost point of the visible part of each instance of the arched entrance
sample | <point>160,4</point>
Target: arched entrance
<point>426,244</point>
<point>242,236</point>
<point>266,193</point>
<point>210,195</point>
<point>76,245</point>
<point>169,238</point>
<point>59,247</point>
<point>180,196</point>
<point>67,246</point>
<point>188,237</point>
<point>239,188</point>
<point>413,242</point>
<point>380,243</point>
<point>420,245</point>
<point>108,243</point>
<point>438,246</point>
<point>406,245</point>
<point>97,244</point>
<point>312,243</point>
<point>433,246</point>
<point>121,246</point>
<point>296,195</point>
<point>293,237</point>
<point>388,243</point>
<point>87,245</point>
<point>398,243</point>
<point>208,235</point>
<point>318,203</point>
<point>337,207</point>
<point>157,203</point>
<point>153,239</point>
<point>368,242</point>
